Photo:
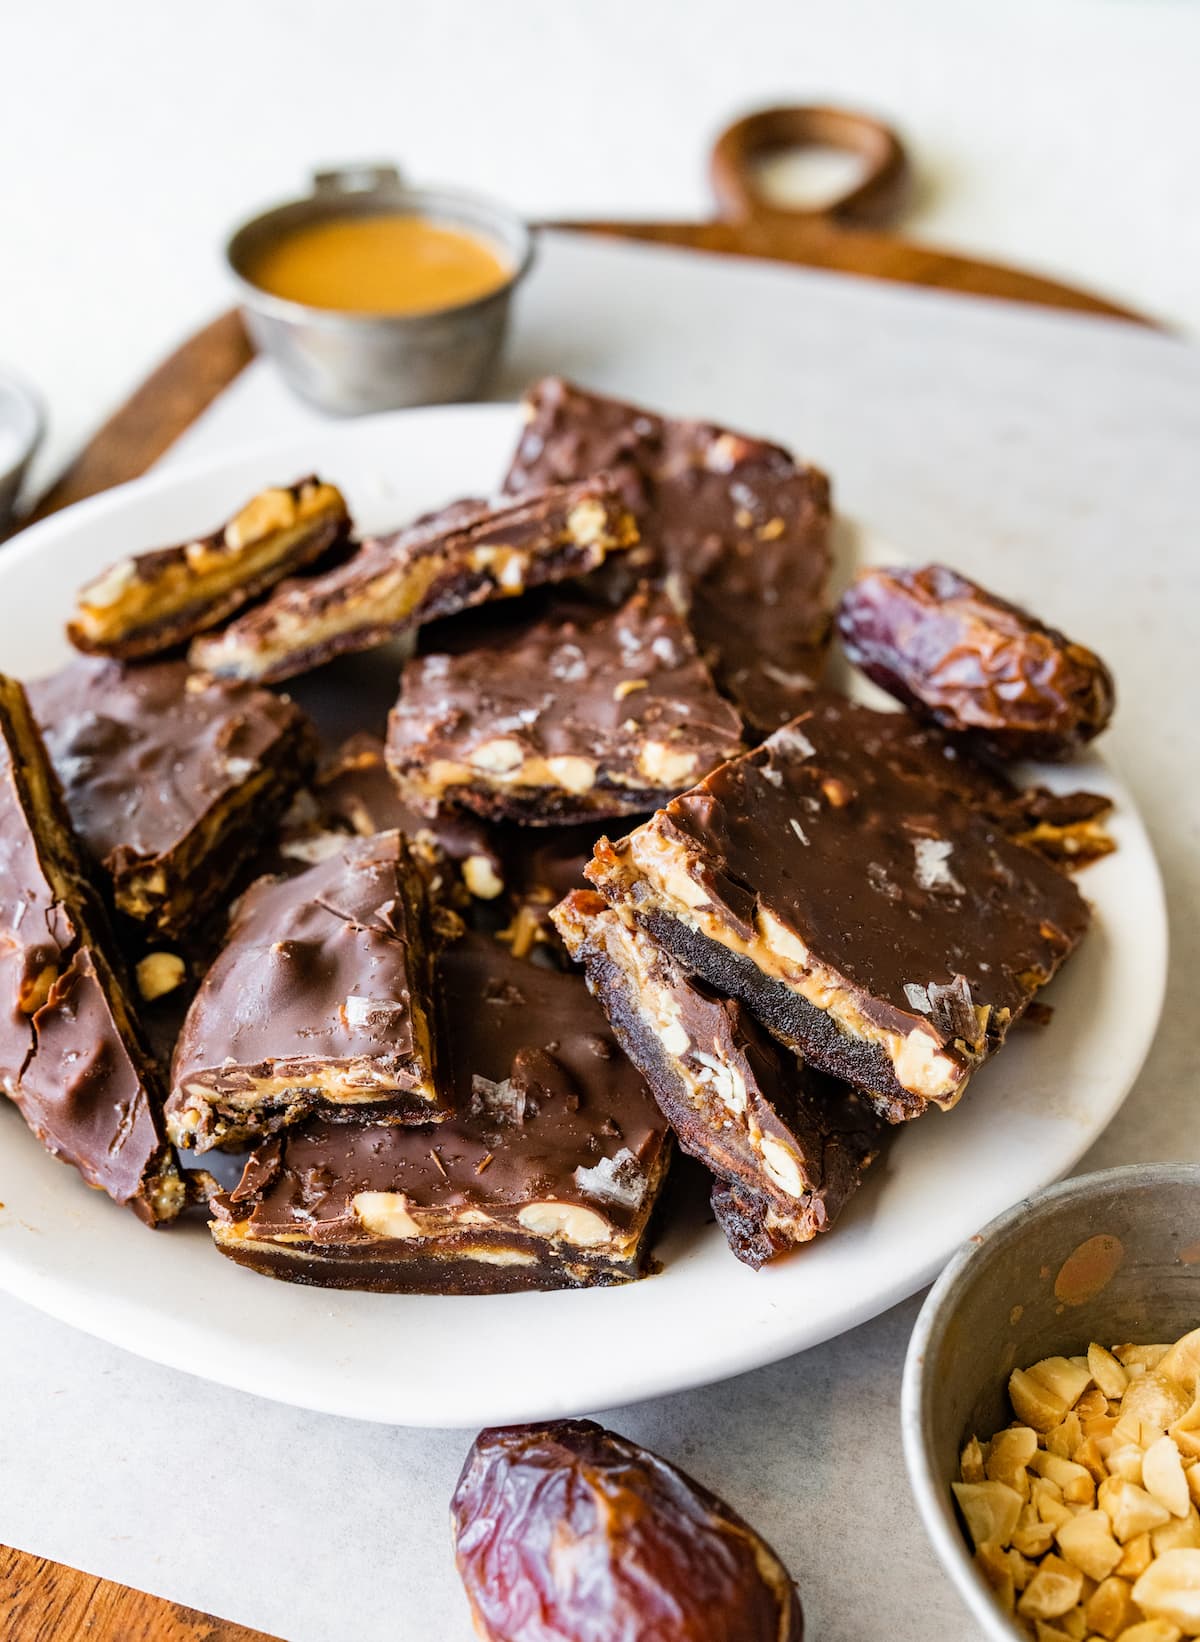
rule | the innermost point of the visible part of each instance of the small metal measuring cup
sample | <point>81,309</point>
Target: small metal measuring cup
<point>349,363</point>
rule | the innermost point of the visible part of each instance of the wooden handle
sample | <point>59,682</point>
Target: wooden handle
<point>738,153</point>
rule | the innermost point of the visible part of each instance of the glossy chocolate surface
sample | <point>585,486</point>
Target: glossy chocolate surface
<point>593,713</point>
<point>71,1057</point>
<point>921,910</point>
<point>163,768</point>
<point>326,974</point>
<point>736,520</point>
<point>541,1094</point>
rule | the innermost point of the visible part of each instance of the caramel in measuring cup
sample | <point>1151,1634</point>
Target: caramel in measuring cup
<point>389,263</point>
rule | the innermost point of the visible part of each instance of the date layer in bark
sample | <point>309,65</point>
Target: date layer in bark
<point>152,601</point>
<point>395,584</point>
<point>171,778</point>
<point>71,1056</point>
<point>545,1176</point>
<point>952,651</point>
<point>600,713</point>
<point>320,999</point>
<point>738,523</point>
<point>868,917</point>
<point>797,1143</point>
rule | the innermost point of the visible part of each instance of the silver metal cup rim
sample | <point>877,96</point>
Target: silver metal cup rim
<point>932,1492</point>
<point>15,388</point>
<point>435,200</point>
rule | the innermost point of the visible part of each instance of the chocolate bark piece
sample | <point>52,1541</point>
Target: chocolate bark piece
<point>970,661</point>
<point>171,778</point>
<point>866,915</point>
<point>796,1143</point>
<point>71,1055</point>
<point>544,1176</point>
<point>150,602</point>
<point>320,1000</point>
<point>598,712</point>
<point>395,584</point>
<point>736,521</point>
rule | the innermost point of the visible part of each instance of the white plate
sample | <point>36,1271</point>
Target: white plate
<point>446,1362</point>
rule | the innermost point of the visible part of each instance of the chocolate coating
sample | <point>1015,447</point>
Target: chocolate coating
<point>1064,827</point>
<point>566,1532</point>
<point>598,712</point>
<point>395,584</point>
<point>540,1093</point>
<point>153,601</point>
<point>736,521</point>
<point>319,999</point>
<point>170,778</point>
<point>955,653</point>
<point>71,1056</point>
<point>850,904</point>
<point>795,1142</point>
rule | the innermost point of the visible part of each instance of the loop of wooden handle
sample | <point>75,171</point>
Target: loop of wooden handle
<point>740,149</point>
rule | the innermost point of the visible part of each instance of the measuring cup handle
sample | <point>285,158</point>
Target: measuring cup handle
<point>362,178</point>
<point>875,199</point>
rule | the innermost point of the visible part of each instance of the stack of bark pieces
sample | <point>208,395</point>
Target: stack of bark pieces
<point>335,993</point>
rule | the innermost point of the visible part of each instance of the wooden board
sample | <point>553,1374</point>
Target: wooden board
<point>43,1601</point>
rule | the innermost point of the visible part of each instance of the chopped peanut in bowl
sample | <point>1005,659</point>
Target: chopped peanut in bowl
<point>1083,1511</point>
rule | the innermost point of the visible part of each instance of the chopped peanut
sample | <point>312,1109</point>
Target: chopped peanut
<point>1137,1558</point>
<point>1180,1534</point>
<point>1155,1400</point>
<point>1053,1590</point>
<point>990,1510</point>
<point>1085,1512</point>
<point>1162,1476</point>
<point>1170,1590</point>
<point>1109,1610</point>
<point>1144,1357</point>
<point>1087,1541</point>
<point>1109,1375</point>
<point>970,1466</point>
<point>1186,1432</point>
<point>1181,1362</point>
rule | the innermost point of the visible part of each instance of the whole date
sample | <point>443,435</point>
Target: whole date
<point>955,653</point>
<point>566,1532</point>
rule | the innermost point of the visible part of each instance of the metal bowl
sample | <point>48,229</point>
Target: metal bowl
<point>22,423</point>
<point>1006,1301</point>
<point>349,363</point>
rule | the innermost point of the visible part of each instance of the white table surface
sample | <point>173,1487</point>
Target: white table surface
<point>1054,457</point>
<point>1060,134</point>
